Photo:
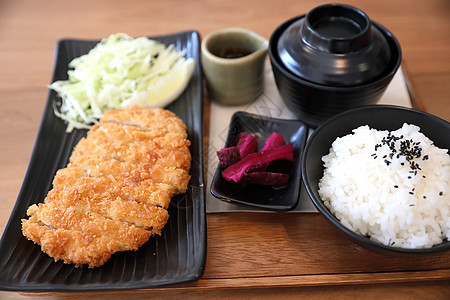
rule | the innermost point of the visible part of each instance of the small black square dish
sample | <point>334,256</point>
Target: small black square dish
<point>257,196</point>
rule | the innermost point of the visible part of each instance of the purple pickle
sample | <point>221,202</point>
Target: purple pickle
<point>228,156</point>
<point>275,140</point>
<point>246,144</point>
<point>236,171</point>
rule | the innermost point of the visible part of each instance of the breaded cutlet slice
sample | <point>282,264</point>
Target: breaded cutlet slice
<point>130,137</point>
<point>129,133</point>
<point>99,166</point>
<point>68,218</point>
<point>144,191</point>
<point>133,152</point>
<point>71,246</point>
<point>140,214</point>
<point>148,119</point>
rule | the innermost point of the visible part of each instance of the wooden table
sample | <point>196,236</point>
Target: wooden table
<point>249,255</point>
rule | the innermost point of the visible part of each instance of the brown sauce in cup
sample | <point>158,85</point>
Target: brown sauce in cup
<point>236,53</point>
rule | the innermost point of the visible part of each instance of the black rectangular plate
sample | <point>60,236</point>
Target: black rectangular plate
<point>177,256</point>
<point>263,197</point>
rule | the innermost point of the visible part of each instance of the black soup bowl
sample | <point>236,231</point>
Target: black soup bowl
<point>330,60</point>
<point>380,117</point>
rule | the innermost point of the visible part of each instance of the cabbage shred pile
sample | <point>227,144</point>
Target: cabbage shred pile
<point>115,73</point>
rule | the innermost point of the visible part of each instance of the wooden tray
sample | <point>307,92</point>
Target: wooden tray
<point>283,250</point>
<point>256,250</point>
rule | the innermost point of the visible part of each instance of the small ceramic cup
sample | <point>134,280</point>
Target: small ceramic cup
<point>233,65</point>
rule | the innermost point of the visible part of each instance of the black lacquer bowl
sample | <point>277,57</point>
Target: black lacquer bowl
<point>380,117</point>
<point>330,60</point>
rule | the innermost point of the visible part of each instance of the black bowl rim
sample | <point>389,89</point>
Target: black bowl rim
<point>318,203</point>
<point>389,74</point>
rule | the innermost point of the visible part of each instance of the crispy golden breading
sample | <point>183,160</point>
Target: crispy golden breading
<point>144,191</point>
<point>133,152</point>
<point>112,131</point>
<point>146,120</point>
<point>154,137</point>
<point>130,236</point>
<point>72,246</point>
<point>143,215</point>
<point>114,193</point>
<point>97,166</point>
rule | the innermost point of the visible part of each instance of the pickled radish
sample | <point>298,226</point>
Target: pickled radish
<point>245,165</point>
<point>246,144</point>
<point>228,156</point>
<point>273,141</point>
<point>236,171</point>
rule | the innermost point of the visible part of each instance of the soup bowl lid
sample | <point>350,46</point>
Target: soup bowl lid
<point>334,45</point>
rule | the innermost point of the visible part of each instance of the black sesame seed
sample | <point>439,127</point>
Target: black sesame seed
<point>424,197</point>
<point>396,186</point>
<point>411,193</point>
<point>441,193</point>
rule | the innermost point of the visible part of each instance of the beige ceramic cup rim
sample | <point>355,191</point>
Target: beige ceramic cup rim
<point>245,32</point>
<point>234,80</point>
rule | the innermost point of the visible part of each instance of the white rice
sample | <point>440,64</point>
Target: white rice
<point>388,199</point>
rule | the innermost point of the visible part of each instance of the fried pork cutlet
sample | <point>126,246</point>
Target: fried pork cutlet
<point>97,166</point>
<point>133,152</point>
<point>146,120</point>
<point>114,193</point>
<point>80,237</point>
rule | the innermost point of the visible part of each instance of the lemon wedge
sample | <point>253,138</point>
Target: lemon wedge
<point>163,90</point>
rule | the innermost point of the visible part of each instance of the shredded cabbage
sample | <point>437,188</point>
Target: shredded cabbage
<point>118,72</point>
